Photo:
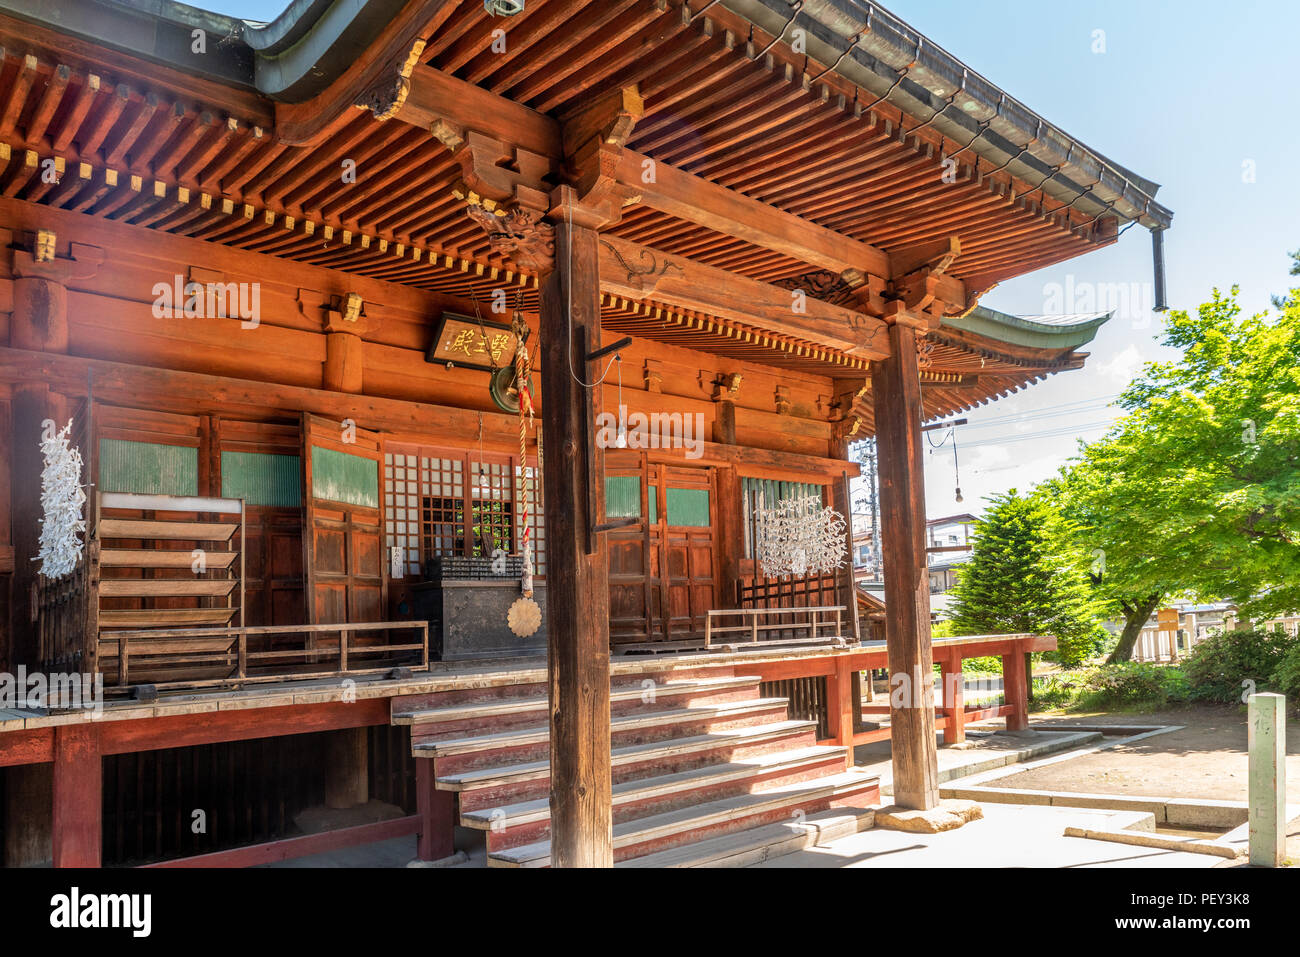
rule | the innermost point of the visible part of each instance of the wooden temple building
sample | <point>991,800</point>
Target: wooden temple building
<point>276,275</point>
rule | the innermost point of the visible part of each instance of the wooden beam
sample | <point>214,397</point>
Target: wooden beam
<point>436,97</point>
<point>120,382</point>
<point>577,586</point>
<point>896,390</point>
<point>610,117</point>
<point>638,272</point>
<point>697,200</point>
<point>450,107</point>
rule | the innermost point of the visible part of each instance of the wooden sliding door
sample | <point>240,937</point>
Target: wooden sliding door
<point>663,571</point>
<point>343,540</point>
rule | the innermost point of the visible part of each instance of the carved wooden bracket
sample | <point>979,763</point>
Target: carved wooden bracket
<point>917,271</point>
<point>924,352</point>
<point>727,386</point>
<point>389,91</point>
<point>335,313</point>
<point>515,231</point>
<point>593,137</point>
<point>782,400</point>
<point>654,375</point>
<point>42,262</point>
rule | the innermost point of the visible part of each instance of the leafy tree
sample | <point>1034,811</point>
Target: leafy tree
<point>1026,575</point>
<point>1197,489</point>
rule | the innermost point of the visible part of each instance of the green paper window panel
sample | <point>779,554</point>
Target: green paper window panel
<point>688,507</point>
<point>261,478</point>
<point>342,477</point>
<point>147,468</point>
<point>652,496</point>
<point>623,496</point>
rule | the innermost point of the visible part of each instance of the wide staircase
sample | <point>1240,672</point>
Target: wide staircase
<point>706,771</point>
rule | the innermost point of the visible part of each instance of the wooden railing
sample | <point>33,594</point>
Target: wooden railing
<point>67,615</point>
<point>196,657</point>
<point>753,631</point>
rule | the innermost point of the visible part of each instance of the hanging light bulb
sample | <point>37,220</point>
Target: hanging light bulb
<point>959,498</point>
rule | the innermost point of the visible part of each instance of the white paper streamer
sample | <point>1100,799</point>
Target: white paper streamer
<point>800,537</point>
<point>62,499</point>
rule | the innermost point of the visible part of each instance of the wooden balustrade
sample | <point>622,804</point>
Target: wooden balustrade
<point>819,617</point>
<point>199,657</point>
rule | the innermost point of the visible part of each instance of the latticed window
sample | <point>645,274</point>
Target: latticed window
<point>442,492</point>
<point>533,477</point>
<point>492,498</point>
<point>402,508</point>
<point>441,504</point>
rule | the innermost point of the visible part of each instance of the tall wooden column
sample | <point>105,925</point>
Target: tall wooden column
<point>40,324</point>
<point>896,393</point>
<point>577,570</point>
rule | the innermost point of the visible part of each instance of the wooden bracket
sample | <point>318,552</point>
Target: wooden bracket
<point>388,93</point>
<point>42,262</point>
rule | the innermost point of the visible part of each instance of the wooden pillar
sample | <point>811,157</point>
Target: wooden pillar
<point>39,323</point>
<point>347,768</point>
<point>344,361</point>
<point>840,688</point>
<point>78,796</point>
<point>1015,689</point>
<point>954,699</point>
<point>896,393</point>
<point>577,585</point>
<point>437,811</point>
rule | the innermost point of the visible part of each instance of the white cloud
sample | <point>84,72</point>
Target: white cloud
<point>1122,367</point>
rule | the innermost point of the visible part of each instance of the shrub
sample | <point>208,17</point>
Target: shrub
<point>988,665</point>
<point>1057,690</point>
<point>1132,684</point>
<point>1286,676</point>
<point>1220,667</point>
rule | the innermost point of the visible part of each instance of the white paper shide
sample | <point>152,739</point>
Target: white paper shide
<point>62,502</point>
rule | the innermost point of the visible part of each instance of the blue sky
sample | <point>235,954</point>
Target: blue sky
<point>1186,92</point>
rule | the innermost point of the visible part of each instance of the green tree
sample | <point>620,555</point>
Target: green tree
<point>1026,575</point>
<point>1196,490</point>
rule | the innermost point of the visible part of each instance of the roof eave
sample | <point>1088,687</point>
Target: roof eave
<point>998,127</point>
<point>1018,331</point>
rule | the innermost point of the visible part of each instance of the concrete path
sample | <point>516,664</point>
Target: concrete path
<point>1009,836</point>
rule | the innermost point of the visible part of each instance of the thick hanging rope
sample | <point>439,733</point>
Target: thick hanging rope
<point>522,373</point>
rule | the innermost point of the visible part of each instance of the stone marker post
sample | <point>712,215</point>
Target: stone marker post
<point>1267,789</point>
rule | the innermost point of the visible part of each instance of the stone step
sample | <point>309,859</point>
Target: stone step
<point>536,734</point>
<point>757,844</point>
<point>501,819</point>
<point>630,754</point>
<point>657,832</point>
